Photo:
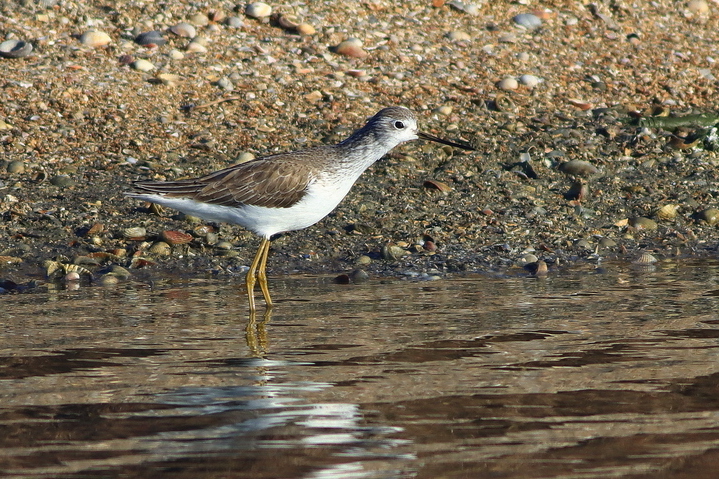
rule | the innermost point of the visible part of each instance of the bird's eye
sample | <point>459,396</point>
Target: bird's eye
<point>399,125</point>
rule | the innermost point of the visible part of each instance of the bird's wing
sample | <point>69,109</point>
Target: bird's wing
<point>277,181</point>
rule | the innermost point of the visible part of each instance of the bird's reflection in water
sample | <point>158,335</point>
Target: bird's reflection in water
<point>256,333</point>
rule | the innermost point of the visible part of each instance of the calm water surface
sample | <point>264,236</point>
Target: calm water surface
<point>610,372</point>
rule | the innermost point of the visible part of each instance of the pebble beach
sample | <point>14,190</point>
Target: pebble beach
<point>594,124</point>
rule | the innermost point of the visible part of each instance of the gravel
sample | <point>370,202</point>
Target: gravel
<point>79,122</point>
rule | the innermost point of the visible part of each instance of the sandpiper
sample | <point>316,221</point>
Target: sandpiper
<point>287,191</point>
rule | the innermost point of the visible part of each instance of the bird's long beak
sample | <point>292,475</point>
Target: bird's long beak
<point>426,136</point>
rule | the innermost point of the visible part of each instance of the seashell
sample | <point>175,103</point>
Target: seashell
<point>109,279</point>
<point>258,10</point>
<point>579,168</point>
<point>95,38</point>
<point>437,185</point>
<point>184,29</point>
<point>578,191</point>
<point>359,276</point>
<point>152,38</point>
<point>305,29</point>
<point>216,16</point>
<point>352,47</point>
<point>169,79</point>
<point>504,103</point>
<point>196,47</point>
<point>160,248</point>
<point>199,19</point>
<point>528,21</point>
<point>538,268</point>
<point>667,212</point>
<point>393,252</point>
<point>646,258</point>
<point>508,83</point>
<point>582,105</point>
<point>530,81</point>
<point>119,271</point>
<point>641,223</point>
<point>175,237</point>
<point>15,49</point>
<point>288,22</point>
<point>143,65</point>
<point>135,233</point>
<point>71,276</point>
<point>709,215</point>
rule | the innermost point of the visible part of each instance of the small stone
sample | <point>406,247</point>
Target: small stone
<point>528,21</point>
<point>234,22</point>
<point>184,29</point>
<point>16,167</point>
<point>143,65</point>
<point>314,96</point>
<point>95,38</point>
<point>529,80</point>
<point>444,110</point>
<point>526,259</point>
<point>225,84</point>
<point>15,49</point>
<point>258,10</point>
<point>62,181</point>
<point>342,279</point>
<point>305,29</point>
<point>352,47</point>
<point>508,84</point>
<point>152,38</point>
<point>359,276</point>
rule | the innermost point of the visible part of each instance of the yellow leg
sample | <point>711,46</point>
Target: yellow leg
<point>262,276</point>
<point>251,277</point>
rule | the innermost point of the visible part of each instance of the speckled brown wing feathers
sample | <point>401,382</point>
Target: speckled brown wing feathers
<point>277,181</point>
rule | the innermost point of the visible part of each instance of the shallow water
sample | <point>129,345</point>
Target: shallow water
<point>610,372</point>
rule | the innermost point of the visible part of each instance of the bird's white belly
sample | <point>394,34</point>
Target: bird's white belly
<point>319,201</point>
